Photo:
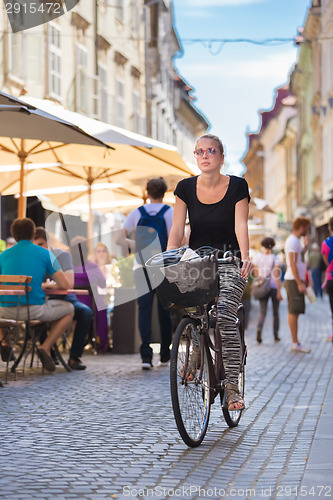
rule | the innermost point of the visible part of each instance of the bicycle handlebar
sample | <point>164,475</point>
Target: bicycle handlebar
<point>228,257</point>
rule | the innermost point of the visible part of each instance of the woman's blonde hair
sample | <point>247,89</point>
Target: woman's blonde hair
<point>100,244</point>
<point>213,138</point>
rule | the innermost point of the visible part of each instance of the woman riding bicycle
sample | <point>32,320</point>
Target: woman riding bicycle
<point>217,207</point>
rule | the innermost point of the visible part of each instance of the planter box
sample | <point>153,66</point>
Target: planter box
<point>126,336</point>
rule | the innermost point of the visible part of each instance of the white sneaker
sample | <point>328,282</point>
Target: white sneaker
<point>299,348</point>
<point>146,364</point>
<point>164,363</point>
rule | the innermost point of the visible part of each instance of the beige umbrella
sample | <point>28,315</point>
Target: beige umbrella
<point>72,168</point>
<point>27,132</point>
<point>101,197</point>
<point>96,188</point>
<point>127,167</point>
<point>113,135</point>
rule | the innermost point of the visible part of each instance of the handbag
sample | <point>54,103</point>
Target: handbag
<point>261,286</point>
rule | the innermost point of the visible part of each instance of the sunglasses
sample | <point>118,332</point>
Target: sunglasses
<point>200,152</point>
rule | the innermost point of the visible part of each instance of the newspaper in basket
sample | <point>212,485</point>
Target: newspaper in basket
<point>183,277</point>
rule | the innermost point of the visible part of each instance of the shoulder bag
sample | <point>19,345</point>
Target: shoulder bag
<point>261,286</point>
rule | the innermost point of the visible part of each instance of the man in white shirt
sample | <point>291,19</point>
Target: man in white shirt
<point>156,188</point>
<point>294,279</point>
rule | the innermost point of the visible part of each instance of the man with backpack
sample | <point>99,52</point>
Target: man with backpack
<point>150,224</point>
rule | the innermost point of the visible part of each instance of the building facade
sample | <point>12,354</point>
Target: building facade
<point>296,135</point>
<point>112,62</point>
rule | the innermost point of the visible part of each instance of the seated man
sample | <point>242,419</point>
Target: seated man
<point>82,312</point>
<point>25,258</point>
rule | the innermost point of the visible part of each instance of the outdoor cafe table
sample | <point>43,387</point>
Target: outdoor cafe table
<point>58,291</point>
<point>12,292</point>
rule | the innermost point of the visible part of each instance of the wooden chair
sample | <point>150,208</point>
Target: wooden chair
<point>19,285</point>
<point>14,286</point>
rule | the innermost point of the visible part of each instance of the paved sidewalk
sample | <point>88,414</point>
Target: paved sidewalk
<point>318,476</point>
<point>109,432</point>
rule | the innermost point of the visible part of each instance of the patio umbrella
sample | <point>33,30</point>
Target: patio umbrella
<point>103,189</point>
<point>113,135</point>
<point>129,165</point>
<point>27,132</point>
<point>101,197</point>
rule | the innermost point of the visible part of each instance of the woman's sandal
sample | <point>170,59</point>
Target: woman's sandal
<point>192,367</point>
<point>234,399</point>
<point>190,374</point>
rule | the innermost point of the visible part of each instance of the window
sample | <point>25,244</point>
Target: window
<point>81,79</point>
<point>103,95</point>
<point>120,10</point>
<point>136,111</point>
<point>17,54</point>
<point>34,67</point>
<point>54,59</point>
<point>120,103</point>
<point>135,18</point>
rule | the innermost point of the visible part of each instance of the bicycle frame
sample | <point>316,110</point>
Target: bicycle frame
<point>197,373</point>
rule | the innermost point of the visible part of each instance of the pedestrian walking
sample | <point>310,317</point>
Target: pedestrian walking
<point>145,232</point>
<point>294,281</point>
<point>327,253</point>
<point>267,267</point>
<point>315,266</point>
<point>217,207</point>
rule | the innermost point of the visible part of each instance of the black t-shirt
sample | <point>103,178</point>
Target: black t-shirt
<point>213,224</point>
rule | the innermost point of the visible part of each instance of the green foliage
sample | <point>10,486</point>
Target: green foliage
<point>125,271</point>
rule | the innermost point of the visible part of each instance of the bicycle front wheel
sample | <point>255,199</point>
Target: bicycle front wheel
<point>190,391</point>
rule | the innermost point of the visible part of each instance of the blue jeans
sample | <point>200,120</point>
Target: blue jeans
<point>263,310</point>
<point>145,309</point>
<point>316,278</point>
<point>83,316</point>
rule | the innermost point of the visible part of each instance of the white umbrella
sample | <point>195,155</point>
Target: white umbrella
<point>27,132</point>
<point>129,165</point>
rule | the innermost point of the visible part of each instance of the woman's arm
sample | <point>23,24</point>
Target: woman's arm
<point>242,234</point>
<point>176,234</point>
<point>277,278</point>
<point>123,240</point>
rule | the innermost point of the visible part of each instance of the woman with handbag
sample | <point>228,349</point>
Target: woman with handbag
<point>327,253</point>
<point>267,284</point>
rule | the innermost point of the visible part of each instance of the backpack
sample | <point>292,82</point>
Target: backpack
<point>148,228</point>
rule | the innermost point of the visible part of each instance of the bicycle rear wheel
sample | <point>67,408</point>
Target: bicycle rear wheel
<point>232,417</point>
<point>190,394</point>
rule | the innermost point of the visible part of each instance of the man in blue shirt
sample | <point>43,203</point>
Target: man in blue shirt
<point>25,258</point>
<point>82,315</point>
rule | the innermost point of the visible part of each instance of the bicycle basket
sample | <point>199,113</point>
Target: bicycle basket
<point>184,283</point>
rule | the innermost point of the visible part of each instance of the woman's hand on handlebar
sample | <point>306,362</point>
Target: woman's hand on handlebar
<point>246,269</point>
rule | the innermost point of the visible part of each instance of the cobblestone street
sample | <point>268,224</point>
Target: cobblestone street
<point>109,432</point>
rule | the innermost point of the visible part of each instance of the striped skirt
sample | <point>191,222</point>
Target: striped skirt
<point>231,291</point>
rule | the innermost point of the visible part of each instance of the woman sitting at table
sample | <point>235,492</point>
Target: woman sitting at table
<point>88,274</point>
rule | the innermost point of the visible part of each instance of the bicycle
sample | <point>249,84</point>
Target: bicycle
<point>196,366</point>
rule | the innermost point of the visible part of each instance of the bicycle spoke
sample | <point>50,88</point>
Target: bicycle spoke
<point>190,394</point>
